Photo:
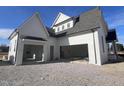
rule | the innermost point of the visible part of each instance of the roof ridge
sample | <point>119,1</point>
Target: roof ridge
<point>96,8</point>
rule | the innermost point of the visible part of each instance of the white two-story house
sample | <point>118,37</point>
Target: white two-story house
<point>83,36</point>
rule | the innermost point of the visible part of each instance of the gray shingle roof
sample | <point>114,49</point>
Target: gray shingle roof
<point>85,22</point>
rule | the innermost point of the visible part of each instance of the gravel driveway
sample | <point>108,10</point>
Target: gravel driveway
<point>62,74</point>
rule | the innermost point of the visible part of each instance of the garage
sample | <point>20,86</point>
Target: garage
<point>74,51</point>
<point>32,53</point>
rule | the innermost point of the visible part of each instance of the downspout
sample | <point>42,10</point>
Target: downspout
<point>94,43</point>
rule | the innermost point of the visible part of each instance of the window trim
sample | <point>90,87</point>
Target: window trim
<point>58,29</point>
<point>68,25</point>
<point>63,27</point>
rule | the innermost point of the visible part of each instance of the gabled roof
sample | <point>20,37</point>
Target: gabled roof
<point>26,21</point>
<point>62,17</point>
<point>85,22</point>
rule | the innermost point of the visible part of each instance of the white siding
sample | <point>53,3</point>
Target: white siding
<point>94,45</point>
<point>104,55</point>
<point>53,42</point>
<point>61,17</point>
<point>33,27</point>
<point>21,44</point>
<point>46,48</point>
<point>65,26</point>
<point>96,55</point>
<point>81,39</point>
<point>13,47</point>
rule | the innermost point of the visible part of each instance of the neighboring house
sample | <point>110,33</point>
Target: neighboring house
<point>120,47</point>
<point>81,36</point>
<point>3,56</point>
<point>4,52</point>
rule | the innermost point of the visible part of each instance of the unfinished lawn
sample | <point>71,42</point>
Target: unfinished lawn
<point>62,74</point>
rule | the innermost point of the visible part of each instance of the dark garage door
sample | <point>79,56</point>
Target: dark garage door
<point>74,51</point>
<point>32,50</point>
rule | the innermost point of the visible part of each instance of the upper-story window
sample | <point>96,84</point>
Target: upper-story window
<point>58,29</point>
<point>68,25</point>
<point>63,27</point>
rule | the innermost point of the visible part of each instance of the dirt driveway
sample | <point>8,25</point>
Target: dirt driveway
<point>62,74</point>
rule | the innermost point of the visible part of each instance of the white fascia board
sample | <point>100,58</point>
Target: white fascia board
<point>56,19</point>
<point>13,34</point>
<point>59,15</point>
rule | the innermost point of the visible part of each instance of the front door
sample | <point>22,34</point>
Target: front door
<point>51,52</point>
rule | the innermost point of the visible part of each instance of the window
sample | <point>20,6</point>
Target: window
<point>63,27</point>
<point>58,29</point>
<point>103,44</point>
<point>68,25</point>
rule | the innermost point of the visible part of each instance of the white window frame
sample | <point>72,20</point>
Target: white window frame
<point>68,25</point>
<point>58,29</point>
<point>63,27</point>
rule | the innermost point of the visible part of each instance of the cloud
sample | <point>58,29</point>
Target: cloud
<point>117,23</point>
<point>5,32</point>
<point>121,39</point>
<point>116,20</point>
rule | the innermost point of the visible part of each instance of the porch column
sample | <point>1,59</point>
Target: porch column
<point>19,55</point>
<point>45,53</point>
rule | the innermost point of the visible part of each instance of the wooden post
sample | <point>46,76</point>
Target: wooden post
<point>114,49</point>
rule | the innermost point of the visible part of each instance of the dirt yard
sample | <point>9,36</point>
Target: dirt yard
<point>62,74</point>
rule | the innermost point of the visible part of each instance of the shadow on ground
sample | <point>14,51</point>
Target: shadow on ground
<point>54,61</point>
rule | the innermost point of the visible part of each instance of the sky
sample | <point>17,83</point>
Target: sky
<point>12,17</point>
